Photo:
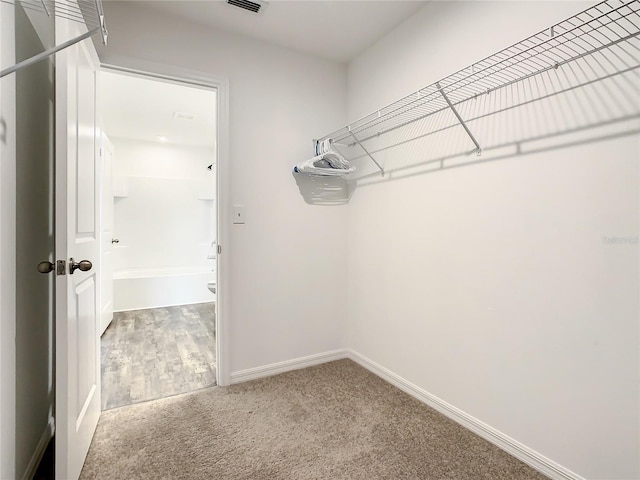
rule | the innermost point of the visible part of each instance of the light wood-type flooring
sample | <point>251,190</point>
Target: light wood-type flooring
<point>157,353</point>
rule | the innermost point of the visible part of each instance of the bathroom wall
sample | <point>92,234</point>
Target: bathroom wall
<point>493,286</point>
<point>164,208</point>
<point>165,220</point>
<point>286,296</point>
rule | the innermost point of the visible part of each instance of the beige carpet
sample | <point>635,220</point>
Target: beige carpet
<point>333,421</point>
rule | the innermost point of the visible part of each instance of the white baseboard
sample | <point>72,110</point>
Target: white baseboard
<point>506,443</point>
<point>286,366</point>
<point>47,435</point>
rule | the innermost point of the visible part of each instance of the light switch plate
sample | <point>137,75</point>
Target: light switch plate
<point>238,215</point>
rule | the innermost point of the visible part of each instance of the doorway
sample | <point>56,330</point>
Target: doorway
<point>159,239</point>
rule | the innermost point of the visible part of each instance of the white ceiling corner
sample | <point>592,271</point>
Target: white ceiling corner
<point>337,30</point>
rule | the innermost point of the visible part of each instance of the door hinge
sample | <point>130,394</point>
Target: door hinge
<point>219,249</point>
<point>61,267</point>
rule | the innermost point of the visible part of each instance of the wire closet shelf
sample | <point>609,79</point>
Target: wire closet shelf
<point>610,27</point>
<point>86,12</point>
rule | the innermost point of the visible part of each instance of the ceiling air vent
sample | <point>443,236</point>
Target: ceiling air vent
<point>254,7</point>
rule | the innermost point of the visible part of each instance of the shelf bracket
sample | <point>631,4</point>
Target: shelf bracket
<point>44,6</point>
<point>464,125</point>
<point>366,151</point>
<point>47,53</point>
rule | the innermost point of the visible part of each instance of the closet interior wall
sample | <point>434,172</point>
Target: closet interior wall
<point>506,285</point>
<point>7,249</point>
<point>26,189</point>
<point>34,243</point>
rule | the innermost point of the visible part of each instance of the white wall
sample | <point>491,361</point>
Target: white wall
<point>35,243</point>
<point>7,247</point>
<point>26,396</point>
<point>288,260</point>
<point>139,158</point>
<point>166,217</point>
<point>492,286</point>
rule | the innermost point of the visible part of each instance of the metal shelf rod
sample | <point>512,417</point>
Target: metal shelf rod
<point>367,152</point>
<point>87,12</point>
<point>47,53</point>
<point>464,125</point>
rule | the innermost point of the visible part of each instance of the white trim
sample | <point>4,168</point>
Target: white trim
<point>223,217</point>
<point>165,73</point>
<point>161,306</point>
<point>287,366</point>
<point>506,443</point>
<point>38,453</point>
<point>168,73</point>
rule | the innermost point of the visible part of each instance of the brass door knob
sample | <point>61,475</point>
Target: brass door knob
<point>82,265</point>
<point>45,267</point>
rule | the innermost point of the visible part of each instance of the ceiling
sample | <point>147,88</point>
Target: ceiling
<point>338,30</point>
<point>332,29</point>
<point>144,109</point>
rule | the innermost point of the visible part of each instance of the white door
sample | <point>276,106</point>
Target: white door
<point>106,236</point>
<point>77,237</point>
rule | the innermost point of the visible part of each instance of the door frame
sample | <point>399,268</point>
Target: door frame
<point>174,75</point>
<point>104,145</point>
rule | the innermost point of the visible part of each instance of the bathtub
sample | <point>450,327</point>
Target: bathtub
<point>137,289</point>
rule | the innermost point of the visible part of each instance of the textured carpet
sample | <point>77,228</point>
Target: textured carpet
<point>333,421</point>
